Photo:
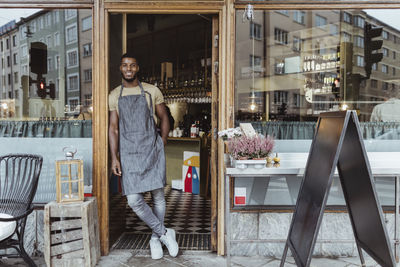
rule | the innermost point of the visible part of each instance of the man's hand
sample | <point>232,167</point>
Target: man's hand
<point>164,139</point>
<point>116,167</point>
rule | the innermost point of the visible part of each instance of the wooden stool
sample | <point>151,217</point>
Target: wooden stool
<point>71,234</point>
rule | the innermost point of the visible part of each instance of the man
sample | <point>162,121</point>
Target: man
<point>387,111</point>
<point>141,159</point>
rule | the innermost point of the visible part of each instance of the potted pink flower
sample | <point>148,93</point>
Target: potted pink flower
<point>257,147</point>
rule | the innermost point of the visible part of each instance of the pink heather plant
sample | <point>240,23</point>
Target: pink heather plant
<point>250,147</point>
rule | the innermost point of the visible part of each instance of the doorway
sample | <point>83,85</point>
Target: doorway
<point>175,53</point>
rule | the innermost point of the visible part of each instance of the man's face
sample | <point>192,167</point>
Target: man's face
<point>129,69</point>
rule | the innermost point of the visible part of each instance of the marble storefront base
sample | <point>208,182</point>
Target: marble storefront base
<point>335,237</point>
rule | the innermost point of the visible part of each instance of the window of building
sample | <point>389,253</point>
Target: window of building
<point>394,54</point>
<point>16,77</point>
<point>385,35</point>
<point>49,41</point>
<point>15,58</point>
<point>347,17</point>
<point>88,100</point>
<point>346,37</point>
<point>257,60</point>
<point>1,45</point>
<point>2,62</point>
<point>87,50</point>
<point>320,21</point>
<point>57,62</point>
<point>385,86</point>
<point>56,39</point>
<point>22,32</point>
<point>359,21</point>
<point>88,75</point>
<point>72,58</point>
<point>25,70</point>
<point>394,71</point>
<point>71,34</point>
<point>9,78</point>
<point>49,64</point>
<point>255,30</point>
<point>385,52</point>
<point>359,41</point>
<point>87,23</point>
<point>296,43</point>
<point>73,103</point>
<point>56,16</point>
<point>8,61</point>
<point>33,26</point>
<point>7,43</point>
<point>41,23</point>
<point>281,36</point>
<point>374,83</point>
<point>283,12</point>
<point>385,68</point>
<point>375,66</point>
<point>280,97</point>
<point>24,50</point>
<point>73,82</point>
<point>48,19</point>
<point>360,61</point>
<point>299,16</point>
<point>334,29</point>
<point>70,13</point>
<point>14,39</point>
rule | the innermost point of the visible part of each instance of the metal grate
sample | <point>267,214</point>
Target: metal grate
<point>185,241</point>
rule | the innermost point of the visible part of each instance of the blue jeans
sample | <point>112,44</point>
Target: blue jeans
<point>153,218</point>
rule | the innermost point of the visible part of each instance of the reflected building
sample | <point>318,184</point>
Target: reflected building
<point>292,64</point>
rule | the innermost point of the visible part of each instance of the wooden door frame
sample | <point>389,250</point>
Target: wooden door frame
<point>100,136</point>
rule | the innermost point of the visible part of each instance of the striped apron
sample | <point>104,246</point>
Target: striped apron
<point>141,147</point>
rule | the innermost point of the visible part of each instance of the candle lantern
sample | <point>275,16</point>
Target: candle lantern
<point>69,178</point>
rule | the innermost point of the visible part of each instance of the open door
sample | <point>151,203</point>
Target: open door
<point>214,127</point>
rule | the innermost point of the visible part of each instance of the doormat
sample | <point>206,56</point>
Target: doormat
<point>187,241</point>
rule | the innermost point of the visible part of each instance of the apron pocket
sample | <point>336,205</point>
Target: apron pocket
<point>136,143</point>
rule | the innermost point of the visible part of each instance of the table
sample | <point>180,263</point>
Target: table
<point>383,164</point>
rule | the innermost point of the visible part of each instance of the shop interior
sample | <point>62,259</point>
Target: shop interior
<point>174,54</point>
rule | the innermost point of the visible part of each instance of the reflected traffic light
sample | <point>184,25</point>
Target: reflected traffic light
<point>370,46</point>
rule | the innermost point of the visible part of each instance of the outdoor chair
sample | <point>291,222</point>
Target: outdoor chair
<point>19,176</point>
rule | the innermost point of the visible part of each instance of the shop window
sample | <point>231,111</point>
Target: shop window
<point>299,16</point>
<point>281,36</point>
<point>87,23</point>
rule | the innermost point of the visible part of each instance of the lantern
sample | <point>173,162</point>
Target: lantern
<point>69,179</point>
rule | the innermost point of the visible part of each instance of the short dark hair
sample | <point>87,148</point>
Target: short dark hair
<point>130,55</point>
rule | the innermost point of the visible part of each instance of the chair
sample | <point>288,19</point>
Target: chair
<point>19,176</point>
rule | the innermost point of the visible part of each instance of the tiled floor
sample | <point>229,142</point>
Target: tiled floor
<point>188,214</point>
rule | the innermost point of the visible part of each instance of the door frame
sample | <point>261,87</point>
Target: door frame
<point>100,100</point>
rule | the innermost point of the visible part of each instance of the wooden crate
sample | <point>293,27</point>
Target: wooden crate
<point>71,234</point>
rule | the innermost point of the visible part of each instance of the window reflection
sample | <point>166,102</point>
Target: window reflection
<point>303,63</point>
<point>46,66</point>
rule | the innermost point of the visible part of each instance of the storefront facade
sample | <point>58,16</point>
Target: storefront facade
<point>264,71</point>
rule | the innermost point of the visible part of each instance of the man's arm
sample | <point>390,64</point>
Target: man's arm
<point>161,113</point>
<point>113,138</point>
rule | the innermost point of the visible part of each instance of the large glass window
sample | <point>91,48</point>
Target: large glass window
<point>45,45</point>
<point>315,66</point>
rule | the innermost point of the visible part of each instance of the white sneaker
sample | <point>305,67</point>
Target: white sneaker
<point>155,248</point>
<point>168,239</point>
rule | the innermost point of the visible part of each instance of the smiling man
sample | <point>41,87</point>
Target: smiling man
<point>137,150</point>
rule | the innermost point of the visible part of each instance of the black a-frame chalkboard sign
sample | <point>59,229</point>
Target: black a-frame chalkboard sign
<point>338,143</point>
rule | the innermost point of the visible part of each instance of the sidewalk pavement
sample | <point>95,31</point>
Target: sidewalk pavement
<point>129,258</point>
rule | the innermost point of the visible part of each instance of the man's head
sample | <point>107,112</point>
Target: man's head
<point>129,67</point>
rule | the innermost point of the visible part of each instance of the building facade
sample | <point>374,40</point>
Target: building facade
<point>288,63</point>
